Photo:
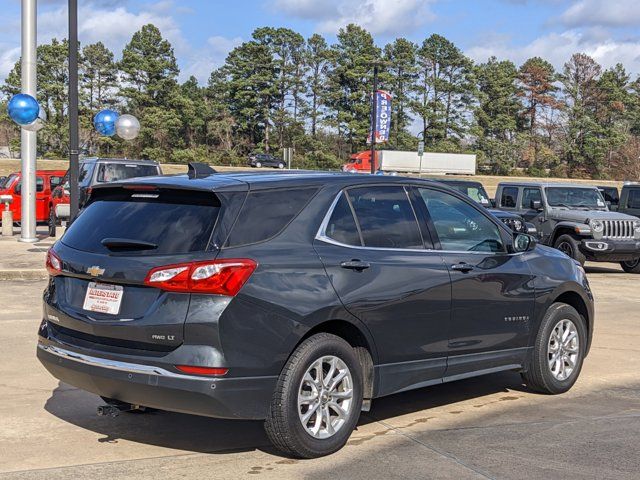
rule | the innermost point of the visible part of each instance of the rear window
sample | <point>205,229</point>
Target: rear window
<point>266,213</point>
<point>175,221</point>
<point>114,172</point>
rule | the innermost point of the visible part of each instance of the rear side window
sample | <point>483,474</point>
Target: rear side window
<point>509,197</point>
<point>634,198</point>
<point>386,217</point>
<point>114,172</point>
<point>342,226</point>
<point>266,213</point>
<point>174,221</point>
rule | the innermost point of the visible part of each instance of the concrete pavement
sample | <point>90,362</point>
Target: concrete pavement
<point>488,427</point>
<point>24,261</point>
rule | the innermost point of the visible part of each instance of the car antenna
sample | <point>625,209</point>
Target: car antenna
<point>199,170</point>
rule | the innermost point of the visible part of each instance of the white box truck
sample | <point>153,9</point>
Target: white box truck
<point>409,162</point>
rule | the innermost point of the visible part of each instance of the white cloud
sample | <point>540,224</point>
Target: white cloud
<point>610,13</point>
<point>380,17</point>
<point>201,62</point>
<point>557,48</point>
<point>8,58</point>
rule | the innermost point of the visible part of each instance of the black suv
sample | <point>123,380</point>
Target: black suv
<point>575,219</point>
<point>476,192</point>
<point>299,298</point>
<point>259,160</point>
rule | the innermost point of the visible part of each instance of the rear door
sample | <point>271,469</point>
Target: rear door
<point>42,198</point>
<point>374,253</point>
<point>492,291</point>
<point>109,250</point>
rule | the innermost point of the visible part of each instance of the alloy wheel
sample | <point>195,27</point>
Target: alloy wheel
<point>566,248</point>
<point>563,349</point>
<point>325,397</point>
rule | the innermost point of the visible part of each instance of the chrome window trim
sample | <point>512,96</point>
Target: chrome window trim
<point>323,237</point>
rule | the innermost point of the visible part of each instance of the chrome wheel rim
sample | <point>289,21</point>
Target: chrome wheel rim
<point>325,397</point>
<point>563,349</point>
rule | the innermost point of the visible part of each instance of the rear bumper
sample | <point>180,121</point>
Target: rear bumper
<point>610,250</point>
<point>245,398</point>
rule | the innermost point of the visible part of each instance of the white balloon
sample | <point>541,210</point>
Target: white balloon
<point>127,127</point>
<point>38,123</point>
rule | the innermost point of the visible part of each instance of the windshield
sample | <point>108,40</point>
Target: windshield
<point>8,181</point>
<point>475,192</point>
<point>572,197</point>
<point>114,172</point>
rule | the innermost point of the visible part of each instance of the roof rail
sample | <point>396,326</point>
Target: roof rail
<point>200,170</point>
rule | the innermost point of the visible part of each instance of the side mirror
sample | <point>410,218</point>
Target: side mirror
<point>536,204</point>
<point>523,242</point>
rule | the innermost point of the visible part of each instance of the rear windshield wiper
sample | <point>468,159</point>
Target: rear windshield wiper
<point>127,244</point>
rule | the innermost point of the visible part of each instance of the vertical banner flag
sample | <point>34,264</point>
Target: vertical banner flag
<point>383,117</point>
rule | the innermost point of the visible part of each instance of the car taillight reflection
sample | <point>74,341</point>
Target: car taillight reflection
<point>221,277</point>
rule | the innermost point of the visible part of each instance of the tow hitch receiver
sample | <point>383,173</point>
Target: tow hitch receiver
<point>113,410</point>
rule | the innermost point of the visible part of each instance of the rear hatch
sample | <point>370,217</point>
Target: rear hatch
<point>101,299</point>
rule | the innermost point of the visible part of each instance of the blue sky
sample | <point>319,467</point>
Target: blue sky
<point>203,32</point>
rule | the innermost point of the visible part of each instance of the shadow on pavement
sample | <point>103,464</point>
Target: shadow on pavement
<point>209,435</point>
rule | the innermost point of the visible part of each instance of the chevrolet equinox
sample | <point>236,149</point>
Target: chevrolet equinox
<point>297,298</point>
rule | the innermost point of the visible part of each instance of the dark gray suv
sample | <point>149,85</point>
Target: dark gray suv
<point>297,298</point>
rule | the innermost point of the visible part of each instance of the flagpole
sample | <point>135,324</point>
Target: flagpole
<point>73,108</point>
<point>374,113</point>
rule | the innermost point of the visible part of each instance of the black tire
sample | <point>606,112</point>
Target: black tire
<point>631,266</point>
<point>281,165</point>
<point>537,374</point>
<point>53,221</point>
<point>283,425</point>
<point>569,245</point>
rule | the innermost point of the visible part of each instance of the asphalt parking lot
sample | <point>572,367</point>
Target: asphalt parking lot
<point>489,427</point>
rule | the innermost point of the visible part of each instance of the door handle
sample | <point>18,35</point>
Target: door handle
<point>355,265</point>
<point>462,267</point>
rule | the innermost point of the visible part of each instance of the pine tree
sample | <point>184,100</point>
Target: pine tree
<point>317,58</point>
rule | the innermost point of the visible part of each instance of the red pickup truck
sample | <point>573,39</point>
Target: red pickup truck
<point>46,181</point>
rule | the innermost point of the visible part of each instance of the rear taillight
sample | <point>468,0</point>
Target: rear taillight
<point>191,370</point>
<point>222,277</point>
<point>53,264</point>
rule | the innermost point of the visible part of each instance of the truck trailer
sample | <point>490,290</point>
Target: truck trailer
<point>409,162</point>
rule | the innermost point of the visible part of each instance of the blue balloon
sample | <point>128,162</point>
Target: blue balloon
<point>23,109</point>
<point>105,122</point>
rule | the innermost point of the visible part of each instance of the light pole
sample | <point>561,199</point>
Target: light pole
<point>73,108</point>
<point>28,139</point>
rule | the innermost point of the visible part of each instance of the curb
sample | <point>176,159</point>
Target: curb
<point>23,274</point>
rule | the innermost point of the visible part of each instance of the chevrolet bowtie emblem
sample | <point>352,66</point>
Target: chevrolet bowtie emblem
<point>95,271</point>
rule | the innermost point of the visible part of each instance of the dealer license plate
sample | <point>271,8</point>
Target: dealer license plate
<point>103,298</point>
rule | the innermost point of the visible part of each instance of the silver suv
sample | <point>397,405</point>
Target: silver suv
<point>575,219</point>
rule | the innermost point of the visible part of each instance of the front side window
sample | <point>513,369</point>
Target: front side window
<point>459,226</point>
<point>8,181</point>
<point>530,195</point>
<point>574,197</point>
<point>509,197</point>
<point>634,198</point>
<point>385,217</point>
